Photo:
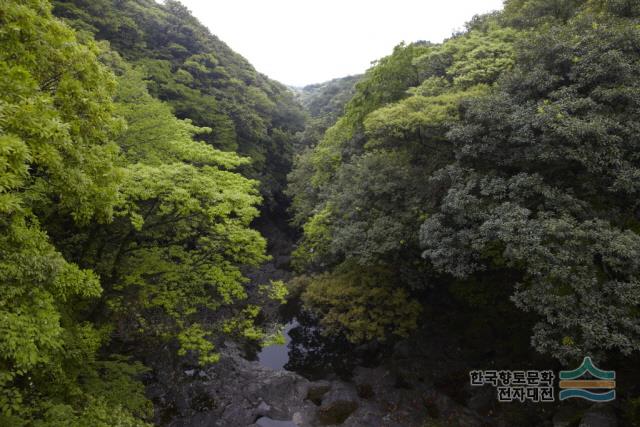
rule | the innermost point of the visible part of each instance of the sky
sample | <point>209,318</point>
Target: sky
<point>299,42</point>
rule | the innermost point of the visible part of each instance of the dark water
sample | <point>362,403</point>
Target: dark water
<point>276,356</point>
<point>312,353</point>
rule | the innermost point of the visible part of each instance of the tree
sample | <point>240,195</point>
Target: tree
<point>364,190</point>
<point>546,185</point>
<point>203,80</point>
<point>506,154</point>
<point>56,117</point>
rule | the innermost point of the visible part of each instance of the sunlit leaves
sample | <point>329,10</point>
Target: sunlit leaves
<point>122,187</point>
<point>365,305</point>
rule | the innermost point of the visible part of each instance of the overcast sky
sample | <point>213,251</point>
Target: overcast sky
<point>299,42</point>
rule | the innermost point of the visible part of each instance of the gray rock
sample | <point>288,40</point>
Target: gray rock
<point>338,404</point>
<point>298,418</point>
<point>238,393</point>
<point>317,390</point>
<point>377,378</point>
<point>403,349</point>
<point>599,416</point>
<point>447,408</point>
<point>268,422</point>
<point>365,390</point>
<point>482,399</point>
<point>262,409</point>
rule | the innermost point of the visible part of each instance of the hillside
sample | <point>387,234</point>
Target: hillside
<point>485,186</point>
<point>201,78</point>
<point>435,242</point>
<point>328,98</point>
<point>126,210</point>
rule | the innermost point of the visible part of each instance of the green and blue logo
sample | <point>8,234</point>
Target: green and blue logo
<point>572,386</point>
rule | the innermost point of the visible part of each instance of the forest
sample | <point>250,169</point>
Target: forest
<point>466,205</point>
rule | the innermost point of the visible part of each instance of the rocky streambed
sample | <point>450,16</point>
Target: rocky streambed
<point>314,380</point>
<point>239,392</point>
<point>419,383</point>
<point>311,380</point>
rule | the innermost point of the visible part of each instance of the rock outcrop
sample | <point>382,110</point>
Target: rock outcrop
<point>236,392</point>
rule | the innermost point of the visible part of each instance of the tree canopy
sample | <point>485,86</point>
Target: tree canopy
<point>118,223</point>
<point>202,79</point>
<point>506,153</point>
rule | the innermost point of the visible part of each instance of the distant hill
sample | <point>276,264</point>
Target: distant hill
<point>329,97</point>
<point>325,103</point>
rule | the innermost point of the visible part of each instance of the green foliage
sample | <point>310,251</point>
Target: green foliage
<point>316,242</point>
<point>57,159</point>
<point>194,339</point>
<point>477,57</point>
<point>364,304</point>
<point>506,153</point>
<point>276,291</point>
<point>553,186</point>
<point>202,80</point>
<point>361,193</point>
<point>243,324</point>
<point>325,103</point>
<point>115,223</point>
<point>531,13</point>
<point>328,99</point>
<point>418,118</point>
<point>181,233</point>
<point>387,81</point>
<point>56,116</point>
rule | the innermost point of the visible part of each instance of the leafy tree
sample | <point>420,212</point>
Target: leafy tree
<point>203,80</point>
<point>364,304</point>
<point>117,226</point>
<point>56,118</point>
<point>546,184</point>
<point>328,98</point>
<point>325,103</point>
<point>364,189</point>
<point>171,259</point>
<point>506,153</point>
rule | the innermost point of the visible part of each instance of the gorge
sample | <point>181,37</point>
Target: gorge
<point>185,241</point>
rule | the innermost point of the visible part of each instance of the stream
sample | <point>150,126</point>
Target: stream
<point>310,352</point>
<point>276,356</point>
<point>306,350</point>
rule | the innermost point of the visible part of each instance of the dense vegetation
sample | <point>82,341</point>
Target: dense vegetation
<point>119,227</point>
<point>494,177</point>
<point>202,79</point>
<point>328,98</point>
<point>324,103</point>
<point>501,167</point>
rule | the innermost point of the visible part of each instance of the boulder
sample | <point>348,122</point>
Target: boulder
<point>268,422</point>
<point>365,390</point>
<point>337,404</point>
<point>317,390</point>
<point>442,406</point>
<point>262,410</point>
<point>482,399</point>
